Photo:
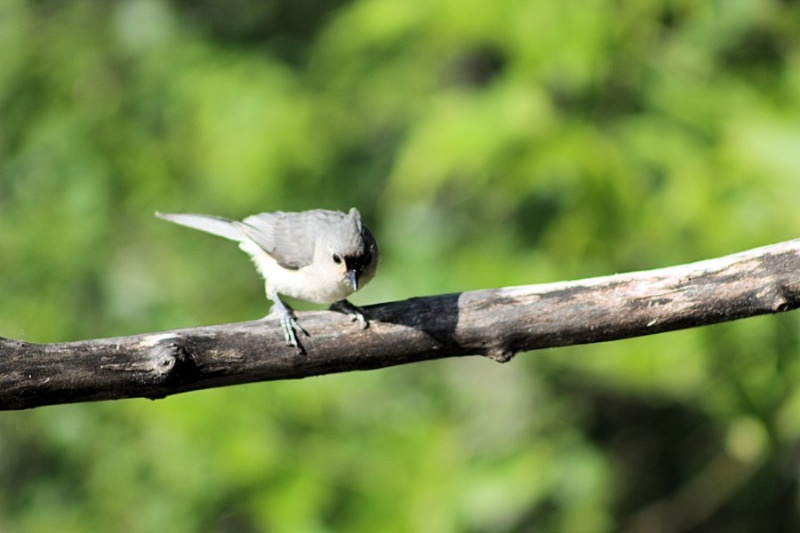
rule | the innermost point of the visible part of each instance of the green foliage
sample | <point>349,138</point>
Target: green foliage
<point>488,144</point>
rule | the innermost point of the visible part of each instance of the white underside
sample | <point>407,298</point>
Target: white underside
<point>310,283</point>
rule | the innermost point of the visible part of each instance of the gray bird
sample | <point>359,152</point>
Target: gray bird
<point>319,256</point>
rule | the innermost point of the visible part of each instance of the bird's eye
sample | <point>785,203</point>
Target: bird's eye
<point>337,259</point>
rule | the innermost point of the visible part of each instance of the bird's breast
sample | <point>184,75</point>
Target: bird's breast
<point>308,283</point>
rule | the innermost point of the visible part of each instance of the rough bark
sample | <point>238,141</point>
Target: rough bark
<point>497,323</point>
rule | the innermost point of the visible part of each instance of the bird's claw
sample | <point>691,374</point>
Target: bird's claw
<point>290,326</point>
<point>355,312</point>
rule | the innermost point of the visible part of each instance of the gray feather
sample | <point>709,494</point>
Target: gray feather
<point>220,226</point>
<point>289,237</point>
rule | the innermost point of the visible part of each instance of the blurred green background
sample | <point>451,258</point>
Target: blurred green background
<point>487,143</point>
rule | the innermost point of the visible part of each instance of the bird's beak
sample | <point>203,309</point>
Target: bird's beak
<point>352,277</point>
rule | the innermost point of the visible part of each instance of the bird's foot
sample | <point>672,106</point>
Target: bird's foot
<point>355,312</point>
<point>289,325</point>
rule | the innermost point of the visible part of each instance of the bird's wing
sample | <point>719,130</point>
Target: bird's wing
<point>222,227</point>
<point>287,237</point>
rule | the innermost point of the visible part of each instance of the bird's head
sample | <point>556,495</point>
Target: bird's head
<point>350,249</point>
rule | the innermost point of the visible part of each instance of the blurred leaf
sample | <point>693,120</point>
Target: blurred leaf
<point>487,144</point>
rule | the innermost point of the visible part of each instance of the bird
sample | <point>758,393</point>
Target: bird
<point>320,256</point>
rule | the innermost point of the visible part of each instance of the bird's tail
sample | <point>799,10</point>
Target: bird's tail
<point>223,227</point>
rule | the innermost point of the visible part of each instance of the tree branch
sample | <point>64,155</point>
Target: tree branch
<point>497,323</point>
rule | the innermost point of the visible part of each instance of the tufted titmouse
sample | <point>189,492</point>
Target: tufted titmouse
<point>320,256</point>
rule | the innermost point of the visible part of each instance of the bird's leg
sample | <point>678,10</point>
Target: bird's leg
<point>355,312</point>
<point>289,322</point>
